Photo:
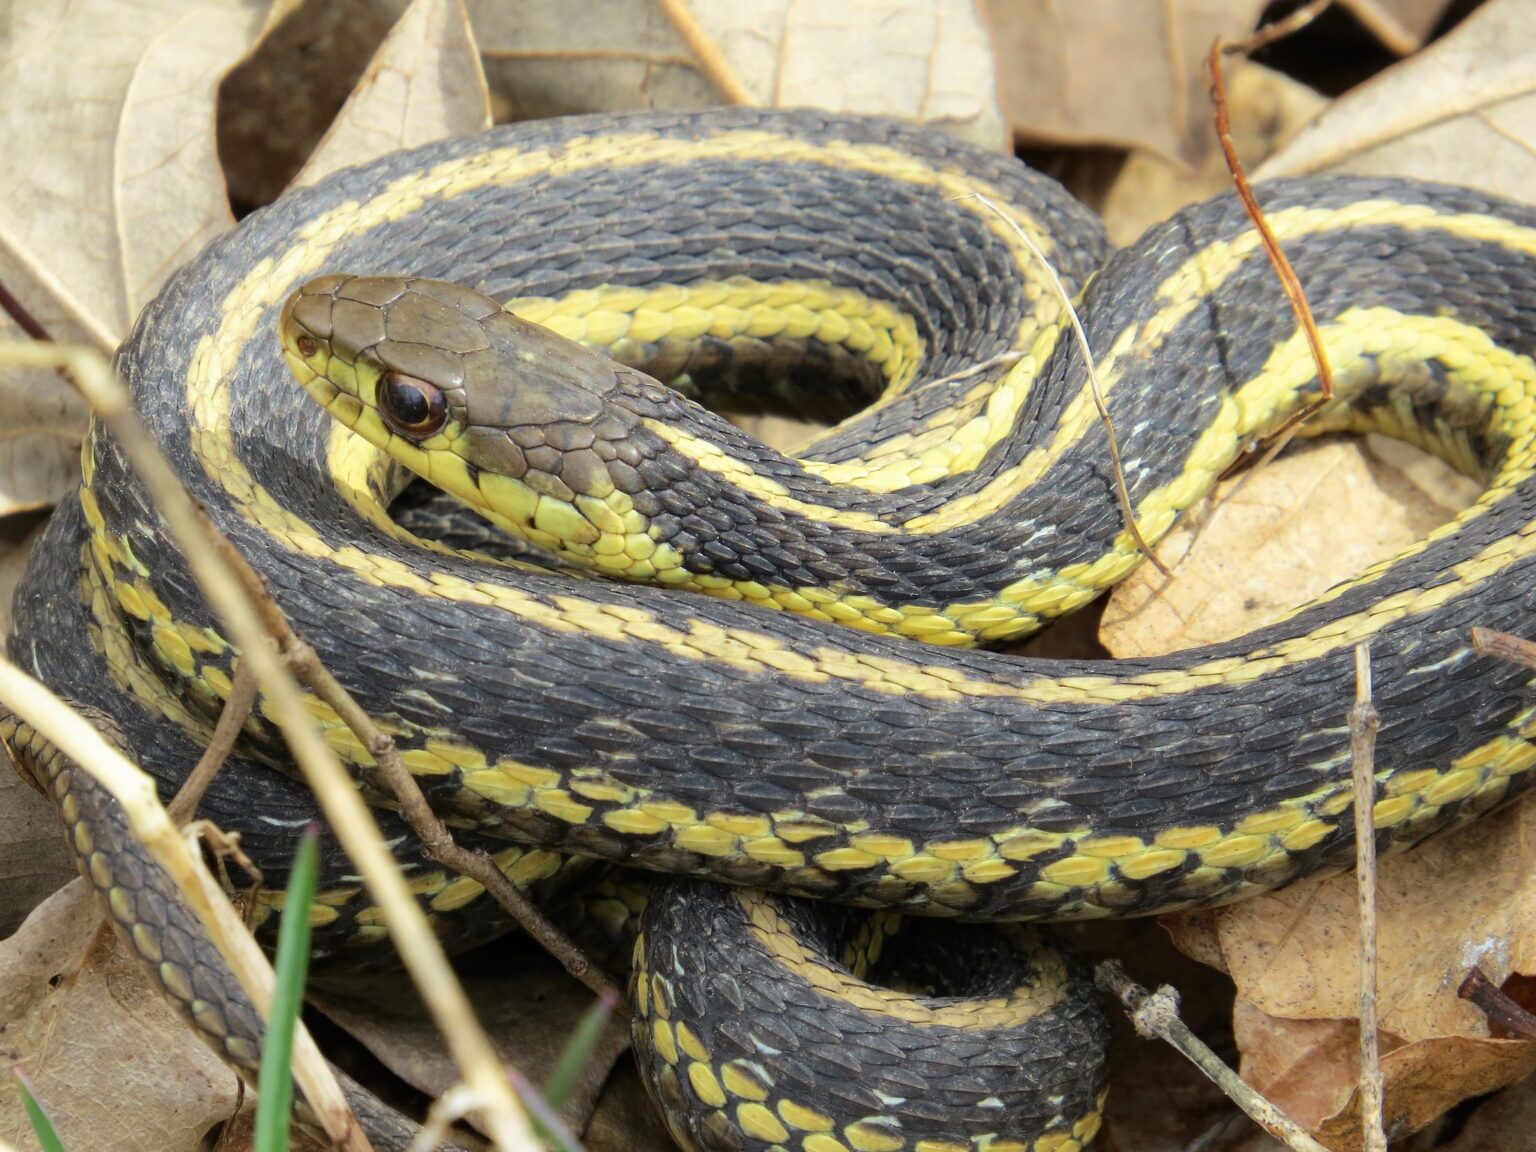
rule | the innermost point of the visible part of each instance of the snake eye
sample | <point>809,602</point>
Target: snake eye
<point>411,406</point>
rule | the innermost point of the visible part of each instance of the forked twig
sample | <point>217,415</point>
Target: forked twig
<point>1157,1014</point>
<point>242,695</point>
<point>436,838</point>
<point>349,817</point>
<point>1122,492</point>
<point>1364,723</point>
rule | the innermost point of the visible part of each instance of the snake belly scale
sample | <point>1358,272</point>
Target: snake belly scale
<point>740,256</point>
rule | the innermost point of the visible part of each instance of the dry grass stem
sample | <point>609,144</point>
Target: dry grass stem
<point>135,792</point>
<point>710,61</point>
<point>305,664</point>
<point>1122,493</point>
<point>354,826</point>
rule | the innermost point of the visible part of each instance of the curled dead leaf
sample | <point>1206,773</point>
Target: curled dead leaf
<point>1463,111</point>
<point>930,61</point>
<point>116,1067</point>
<point>424,83</point>
<point>1276,538</point>
<point>528,1005</point>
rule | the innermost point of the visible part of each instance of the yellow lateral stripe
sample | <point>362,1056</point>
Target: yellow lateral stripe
<point>711,458</point>
<point>1021,1005</point>
<point>1469,355</point>
<point>610,315</point>
<point>1182,292</point>
<point>270,281</point>
<point>266,284</point>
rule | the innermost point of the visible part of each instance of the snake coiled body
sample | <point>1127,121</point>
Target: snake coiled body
<point>738,254</point>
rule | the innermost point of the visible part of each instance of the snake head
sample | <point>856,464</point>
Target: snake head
<point>539,434</point>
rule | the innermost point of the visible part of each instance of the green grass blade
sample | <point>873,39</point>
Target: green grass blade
<point>41,1124</point>
<point>578,1048</point>
<point>274,1102</point>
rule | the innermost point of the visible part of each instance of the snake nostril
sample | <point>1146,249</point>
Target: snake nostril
<point>307,345</point>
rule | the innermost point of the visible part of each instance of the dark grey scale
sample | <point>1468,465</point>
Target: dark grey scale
<point>269,809</point>
<point>952,1083</point>
<point>427,512</point>
<point>976,560</point>
<point>1136,766</point>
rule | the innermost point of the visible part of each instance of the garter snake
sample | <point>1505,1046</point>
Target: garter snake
<point>741,256</point>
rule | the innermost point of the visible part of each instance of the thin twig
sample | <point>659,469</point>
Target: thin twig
<point>1495,1003</point>
<point>419,949</point>
<point>702,45</point>
<point>1278,29</point>
<point>1122,492</point>
<point>18,312</point>
<point>242,695</point>
<point>1487,642</point>
<point>1001,360</point>
<point>436,838</point>
<point>1281,436</point>
<point>1364,723</point>
<point>1157,1014</point>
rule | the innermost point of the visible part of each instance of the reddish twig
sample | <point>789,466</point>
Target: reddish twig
<point>1283,270</point>
<point>242,695</point>
<point>1502,1012</point>
<point>17,311</point>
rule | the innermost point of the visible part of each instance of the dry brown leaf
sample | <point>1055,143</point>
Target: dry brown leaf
<point>1294,958</point>
<point>117,1068</point>
<point>1464,111</point>
<point>1292,953</point>
<point>1274,540</point>
<point>1309,1068</point>
<point>39,443</point>
<point>1277,540</point>
<point>1123,72</point>
<point>275,107</point>
<point>1402,25</point>
<point>1267,108</point>
<point>423,84</point>
<point>1427,1079</point>
<point>110,104</point>
<point>928,61</point>
<point>529,1014</point>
